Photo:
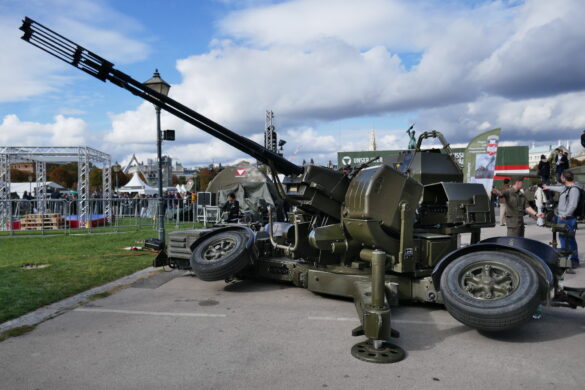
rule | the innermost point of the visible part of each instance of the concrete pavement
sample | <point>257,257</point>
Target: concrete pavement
<point>177,332</point>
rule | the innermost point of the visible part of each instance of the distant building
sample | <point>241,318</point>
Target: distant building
<point>181,171</point>
<point>26,167</point>
<point>150,170</point>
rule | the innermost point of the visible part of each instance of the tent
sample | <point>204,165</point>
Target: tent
<point>137,185</point>
<point>253,189</point>
<point>231,176</point>
<point>20,188</point>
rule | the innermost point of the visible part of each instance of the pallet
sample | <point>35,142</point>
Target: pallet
<point>42,221</point>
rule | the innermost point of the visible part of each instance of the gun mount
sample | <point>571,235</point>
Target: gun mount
<point>380,235</point>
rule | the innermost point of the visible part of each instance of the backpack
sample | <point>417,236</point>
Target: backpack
<point>579,212</point>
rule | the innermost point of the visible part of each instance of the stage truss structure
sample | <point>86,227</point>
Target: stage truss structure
<point>40,156</point>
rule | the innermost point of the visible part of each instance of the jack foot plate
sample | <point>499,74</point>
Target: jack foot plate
<point>387,353</point>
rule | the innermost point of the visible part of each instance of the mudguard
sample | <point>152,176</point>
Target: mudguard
<point>540,255</point>
<point>547,253</point>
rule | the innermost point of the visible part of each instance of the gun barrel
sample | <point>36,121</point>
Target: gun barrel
<point>68,51</point>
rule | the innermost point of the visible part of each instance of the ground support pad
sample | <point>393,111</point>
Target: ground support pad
<point>387,353</point>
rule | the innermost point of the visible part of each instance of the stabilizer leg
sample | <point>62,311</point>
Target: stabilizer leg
<point>374,312</point>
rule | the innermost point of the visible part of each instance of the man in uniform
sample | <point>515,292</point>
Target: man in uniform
<point>502,201</point>
<point>516,206</point>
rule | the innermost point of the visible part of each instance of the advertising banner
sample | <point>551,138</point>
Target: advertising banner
<point>357,158</point>
<point>479,163</point>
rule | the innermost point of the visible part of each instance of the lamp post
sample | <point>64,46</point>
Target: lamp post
<point>159,85</point>
<point>116,169</point>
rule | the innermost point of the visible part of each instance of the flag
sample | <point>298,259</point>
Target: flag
<point>479,162</point>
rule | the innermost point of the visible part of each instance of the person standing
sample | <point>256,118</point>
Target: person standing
<point>544,169</point>
<point>516,206</point>
<point>561,163</point>
<point>502,202</point>
<point>568,201</point>
<point>583,139</point>
<point>540,200</point>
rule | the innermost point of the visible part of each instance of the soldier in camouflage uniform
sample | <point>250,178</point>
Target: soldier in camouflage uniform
<point>516,206</point>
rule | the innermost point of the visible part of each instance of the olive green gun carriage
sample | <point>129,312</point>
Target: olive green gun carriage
<point>380,235</point>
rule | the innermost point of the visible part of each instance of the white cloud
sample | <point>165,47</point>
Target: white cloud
<point>403,25</point>
<point>234,85</point>
<point>540,120</point>
<point>27,71</point>
<point>348,65</point>
<point>64,131</point>
<point>508,64</point>
<point>543,56</point>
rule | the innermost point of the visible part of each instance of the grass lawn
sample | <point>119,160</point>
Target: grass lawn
<point>63,265</point>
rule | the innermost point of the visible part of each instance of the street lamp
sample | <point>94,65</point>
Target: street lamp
<point>116,169</point>
<point>159,85</point>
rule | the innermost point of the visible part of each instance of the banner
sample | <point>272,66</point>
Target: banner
<point>479,163</point>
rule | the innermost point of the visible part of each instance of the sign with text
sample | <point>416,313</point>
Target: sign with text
<point>479,165</point>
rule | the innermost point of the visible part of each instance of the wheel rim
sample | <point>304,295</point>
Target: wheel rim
<point>219,249</point>
<point>488,280</point>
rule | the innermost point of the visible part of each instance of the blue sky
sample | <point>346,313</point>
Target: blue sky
<point>331,70</point>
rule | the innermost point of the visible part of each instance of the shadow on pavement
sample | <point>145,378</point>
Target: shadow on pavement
<point>252,285</point>
<point>419,330</point>
<point>554,325</point>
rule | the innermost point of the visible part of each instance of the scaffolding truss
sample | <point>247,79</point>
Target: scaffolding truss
<point>40,156</point>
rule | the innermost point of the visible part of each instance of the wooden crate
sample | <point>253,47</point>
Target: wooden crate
<point>42,221</point>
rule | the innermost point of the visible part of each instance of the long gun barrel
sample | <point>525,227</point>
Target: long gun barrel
<point>68,51</point>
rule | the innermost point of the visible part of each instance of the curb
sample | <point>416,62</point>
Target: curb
<point>55,309</point>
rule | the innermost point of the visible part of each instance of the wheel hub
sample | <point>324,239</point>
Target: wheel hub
<point>219,249</point>
<point>488,280</point>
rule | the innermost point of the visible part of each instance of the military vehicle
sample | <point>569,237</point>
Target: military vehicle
<point>378,234</point>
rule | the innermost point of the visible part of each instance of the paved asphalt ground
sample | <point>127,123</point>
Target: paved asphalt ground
<point>172,331</point>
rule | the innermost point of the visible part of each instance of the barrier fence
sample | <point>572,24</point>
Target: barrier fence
<point>62,216</point>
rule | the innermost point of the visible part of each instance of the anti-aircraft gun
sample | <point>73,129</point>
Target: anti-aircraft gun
<point>379,234</point>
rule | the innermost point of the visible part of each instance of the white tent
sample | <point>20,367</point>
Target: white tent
<point>20,188</point>
<point>137,185</point>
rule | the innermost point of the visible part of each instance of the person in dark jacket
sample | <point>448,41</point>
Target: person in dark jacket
<point>544,170</point>
<point>231,208</point>
<point>583,139</point>
<point>562,163</point>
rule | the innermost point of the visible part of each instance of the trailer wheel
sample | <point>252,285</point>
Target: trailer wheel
<point>490,290</point>
<point>220,256</point>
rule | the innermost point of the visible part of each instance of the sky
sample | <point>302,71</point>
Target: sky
<point>330,70</point>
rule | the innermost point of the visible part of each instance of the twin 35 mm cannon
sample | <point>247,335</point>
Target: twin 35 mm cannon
<point>380,234</point>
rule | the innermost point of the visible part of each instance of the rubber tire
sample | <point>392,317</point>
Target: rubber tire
<point>491,315</point>
<point>227,266</point>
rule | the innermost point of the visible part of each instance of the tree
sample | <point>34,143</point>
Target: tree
<point>204,177</point>
<point>119,178</point>
<point>18,176</point>
<point>95,179</point>
<point>62,176</point>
